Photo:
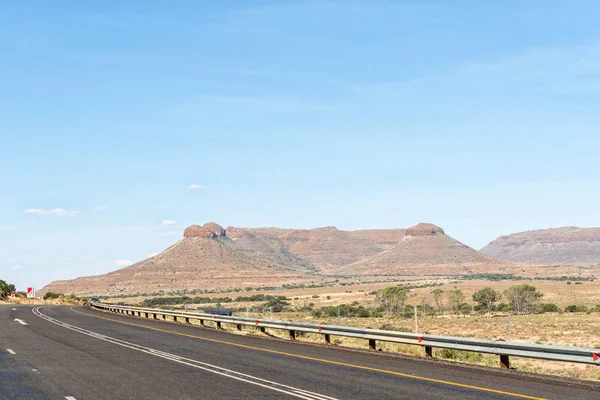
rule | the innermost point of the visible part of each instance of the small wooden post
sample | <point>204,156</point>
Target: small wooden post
<point>428,351</point>
<point>504,361</point>
<point>372,344</point>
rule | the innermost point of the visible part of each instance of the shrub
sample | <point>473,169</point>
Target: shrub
<point>52,295</point>
<point>546,307</point>
<point>576,308</point>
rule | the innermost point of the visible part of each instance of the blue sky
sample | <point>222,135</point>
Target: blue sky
<point>479,116</point>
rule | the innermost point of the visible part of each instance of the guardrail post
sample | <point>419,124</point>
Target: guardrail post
<point>372,344</point>
<point>164,316</point>
<point>327,339</point>
<point>202,322</point>
<point>292,335</point>
<point>154,316</point>
<point>187,320</point>
<point>263,329</point>
<point>504,361</point>
<point>218,324</point>
<point>239,327</point>
<point>174,318</point>
<point>428,351</point>
<point>147,315</point>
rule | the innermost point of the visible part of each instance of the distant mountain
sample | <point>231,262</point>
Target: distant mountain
<point>555,246</point>
<point>210,257</point>
<point>204,259</point>
<point>426,249</point>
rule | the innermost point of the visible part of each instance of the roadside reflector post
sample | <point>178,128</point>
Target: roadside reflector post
<point>292,335</point>
<point>372,344</point>
<point>428,351</point>
<point>218,324</point>
<point>327,339</point>
<point>239,327</point>
<point>504,361</point>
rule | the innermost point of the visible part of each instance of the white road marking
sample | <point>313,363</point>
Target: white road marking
<point>11,352</point>
<point>14,309</point>
<point>20,321</point>
<point>70,398</point>
<point>278,387</point>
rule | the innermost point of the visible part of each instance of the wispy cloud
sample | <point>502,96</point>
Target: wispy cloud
<point>124,263</point>
<point>60,212</point>
<point>18,267</point>
<point>168,222</point>
<point>101,208</point>
<point>195,186</point>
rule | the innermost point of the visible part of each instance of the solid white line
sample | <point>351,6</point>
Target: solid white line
<point>70,398</point>
<point>21,321</point>
<point>10,351</point>
<point>278,387</point>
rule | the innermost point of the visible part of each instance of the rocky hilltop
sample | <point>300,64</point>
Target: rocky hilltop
<point>210,257</point>
<point>426,249</point>
<point>555,246</point>
<point>204,259</point>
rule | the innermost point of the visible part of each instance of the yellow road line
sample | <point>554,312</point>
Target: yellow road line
<point>385,371</point>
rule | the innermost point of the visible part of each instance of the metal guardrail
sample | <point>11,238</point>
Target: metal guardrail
<point>501,348</point>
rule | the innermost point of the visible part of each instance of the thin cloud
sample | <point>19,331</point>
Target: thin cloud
<point>168,222</point>
<point>124,263</point>
<point>195,186</point>
<point>101,208</point>
<point>60,212</point>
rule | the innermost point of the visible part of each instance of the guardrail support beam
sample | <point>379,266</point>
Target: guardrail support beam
<point>372,344</point>
<point>504,361</point>
<point>327,339</point>
<point>428,351</point>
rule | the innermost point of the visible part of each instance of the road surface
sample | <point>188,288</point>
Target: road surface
<point>78,353</point>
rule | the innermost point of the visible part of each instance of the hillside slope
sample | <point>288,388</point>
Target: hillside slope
<point>204,259</point>
<point>426,249</point>
<point>321,249</point>
<point>555,246</point>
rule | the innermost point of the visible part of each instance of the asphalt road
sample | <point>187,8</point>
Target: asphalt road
<point>79,353</point>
